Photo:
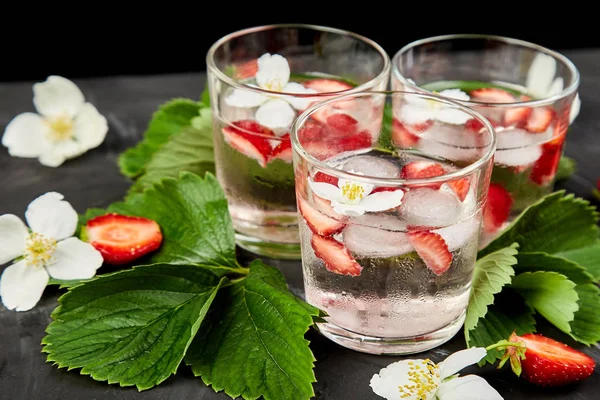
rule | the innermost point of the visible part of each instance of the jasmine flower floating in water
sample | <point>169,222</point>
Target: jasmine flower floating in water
<point>417,109</point>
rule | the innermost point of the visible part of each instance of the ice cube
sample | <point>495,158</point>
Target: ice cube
<point>517,147</point>
<point>384,221</point>
<point>451,142</point>
<point>376,236</point>
<point>372,166</point>
<point>430,207</point>
<point>457,235</point>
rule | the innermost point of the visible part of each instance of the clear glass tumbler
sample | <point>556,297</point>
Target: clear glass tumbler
<point>260,79</point>
<point>389,235</point>
<point>529,94</point>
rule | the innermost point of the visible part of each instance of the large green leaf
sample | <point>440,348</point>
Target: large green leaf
<point>566,167</point>
<point>132,327</point>
<point>585,327</point>
<point>538,261</point>
<point>588,257</point>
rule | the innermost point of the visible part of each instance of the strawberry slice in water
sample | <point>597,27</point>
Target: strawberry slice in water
<point>460,187</point>
<point>402,136</point>
<point>246,70</point>
<point>342,124</point>
<point>251,139</point>
<point>326,178</point>
<point>545,167</point>
<point>497,208</point>
<point>492,95</point>
<point>357,141</point>
<point>517,116</point>
<point>336,257</point>
<point>540,119</point>
<point>432,249</point>
<point>324,85</point>
<point>318,222</point>
<point>283,150</point>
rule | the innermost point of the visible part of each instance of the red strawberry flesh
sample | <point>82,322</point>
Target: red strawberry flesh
<point>422,170</point>
<point>251,139</point>
<point>492,95</point>
<point>342,124</point>
<point>283,150</point>
<point>327,85</point>
<point>432,249</point>
<point>497,208</point>
<point>318,222</point>
<point>540,119</point>
<point>336,257</point>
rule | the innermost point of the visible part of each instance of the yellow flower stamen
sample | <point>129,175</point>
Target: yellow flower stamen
<point>61,128</point>
<point>354,192</point>
<point>39,250</point>
<point>274,86</point>
<point>424,380</point>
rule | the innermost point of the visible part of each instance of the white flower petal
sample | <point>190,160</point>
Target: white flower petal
<point>455,94</point>
<point>575,107</point>
<point>26,136</point>
<point>299,103</point>
<point>451,115</point>
<point>417,101</point>
<point>347,209</point>
<point>89,127</point>
<point>275,114</point>
<point>556,87</point>
<point>386,383</point>
<point>13,233</point>
<point>52,216</point>
<point>381,201</point>
<point>21,286</point>
<point>540,76</point>
<point>57,96</point>
<point>74,259</point>
<point>245,98</point>
<point>413,114</point>
<point>461,359</point>
<point>273,72</point>
<point>325,190</point>
<point>470,387</point>
<point>59,152</point>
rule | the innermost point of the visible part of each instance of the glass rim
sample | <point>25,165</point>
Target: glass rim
<point>567,91</point>
<point>212,67</point>
<point>454,175</point>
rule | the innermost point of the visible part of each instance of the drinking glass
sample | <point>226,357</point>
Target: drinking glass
<point>529,94</point>
<point>389,235</point>
<point>260,79</point>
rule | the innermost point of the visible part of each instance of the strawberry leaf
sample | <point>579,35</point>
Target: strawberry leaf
<point>585,328</point>
<point>551,294</point>
<point>566,167</point>
<point>556,223</point>
<point>168,120</point>
<point>533,262</point>
<point>492,272</point>
<point>253,343</point>
<point>588,257</point>
<point>132,327</point>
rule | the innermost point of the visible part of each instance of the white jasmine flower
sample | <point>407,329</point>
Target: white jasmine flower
<point>65,127</point>
<point>425,380</point>
<point>274,75</point>
<point>355,198</point>
<point>417,109</point>
<point>47,250</point>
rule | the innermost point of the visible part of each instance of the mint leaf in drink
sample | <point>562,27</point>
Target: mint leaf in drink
<point>168,120</point>
<point>588,257</point>
<point>566,167</point>
<point>193,216</point>
<point>585,328</point>
<point>191,151</point>
<point>253,343</point>
<point>551,294</point>
<point>385,138</point>
<point>132,327</point>
<point>492,272</point>
<point>557,222</point>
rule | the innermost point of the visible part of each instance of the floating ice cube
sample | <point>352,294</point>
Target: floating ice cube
<point>368,236</point>
<point>457,235</point>
<point>512,138</point>
<point>372,166</point>
<point>384,221</point>
<point>517,147</point>
<point>451,142</point>
<point>430,207</point>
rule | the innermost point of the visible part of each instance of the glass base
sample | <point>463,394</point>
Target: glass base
<point>285,251</point>
<point>391,346</point>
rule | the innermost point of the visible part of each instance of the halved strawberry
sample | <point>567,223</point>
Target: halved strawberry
<point>342,124</point>
<point>122,239</point>
<point>283,150</point>
<point>326,178</point>
<point>318,222</point>
<point>402,136</point>
<point>497,208</point>
<point>460,187</point>
<point>323,85</point>
<point>432,249</point>
<point>540,119</point>
<point>547,362</point>
<point>492,95</point>
<point>545,167</point>
<point>246,70</point>
<point>251,139</point>
<point>421,169</point>
<point>517,116</point>
<point>335,256</point>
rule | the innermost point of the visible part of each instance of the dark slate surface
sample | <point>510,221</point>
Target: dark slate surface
<point>93,180</point>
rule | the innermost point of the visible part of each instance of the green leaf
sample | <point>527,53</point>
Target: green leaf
<point>550,294</point>
<point>253,345</point>
<point>132,327</point>
<point>533,262</point>
<point>466,86</point>
<point>492,272</point>
<point>205,98</point>
<point>385,138</point>
<point>168,120</point>
<point>587,257</point>
<point>191,151</point>
<point>193,215</point>
<point>585,328</point>
<point>566,167</point>
<point>84,218</point>
<point>508,314</point>
<point>557,222</point>
<point>66,284</point>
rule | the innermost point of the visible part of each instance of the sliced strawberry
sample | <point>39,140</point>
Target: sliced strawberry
<point>545,167</point>
<point>283,150</point>
<point>497,208</point>
<point>122,239</point>
<point>402,136</point>
<point>421,169</point>
<point>432,249</point>
<point>318,222</point>
<point>517,116</point>
<point>342,124</point>
<point>326,178</point>
<point>475,125</point>
<point>251,139</point>
<point>325,207</point>
<point>540,119</point>
<point>460,187</point>
<point>327,85</point>
<point>548,362</point>
<point>335,256</point>
<point>357,141</point>
<point>310,131</point>
<point>246,70</point>
<point>492,95</point>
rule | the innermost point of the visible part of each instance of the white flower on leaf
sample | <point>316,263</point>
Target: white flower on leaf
<point>542,83</point>
<point>274,75</point>
<point>355,198</point>
<point>425,380</point>
<point>417,109</point>
<point>65,127</point>
<point>47,249</point>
